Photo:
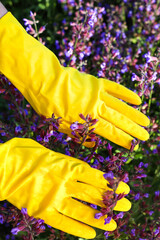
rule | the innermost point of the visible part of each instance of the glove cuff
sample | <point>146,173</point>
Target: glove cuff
<point>27,63</point>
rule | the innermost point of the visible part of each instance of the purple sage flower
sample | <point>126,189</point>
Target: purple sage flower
<point>18,129</point>
<point>146,195</point>
<point>137,196</point>
<point>120,215</point>
<point>133,231</point>
<point>107,220</point>
<point>156,231</point>
<point>24,211</point>
<point>106,234</point>
<point>14,231</point>
<point>1,219</point>
<point>69,52</point>
<point>74,126</point>
<point>151,212</point>
<point>98,215</point>
<point>157,193</point>
<point>108,175</point>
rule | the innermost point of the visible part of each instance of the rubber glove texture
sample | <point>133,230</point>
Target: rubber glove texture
<point>48,184</point>
<point>51,88</point>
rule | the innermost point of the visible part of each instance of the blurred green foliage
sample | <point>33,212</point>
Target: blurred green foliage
<point>49,12</point>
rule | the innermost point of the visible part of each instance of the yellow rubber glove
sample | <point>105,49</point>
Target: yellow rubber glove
<point>52,88</point>
<point>46,183</point>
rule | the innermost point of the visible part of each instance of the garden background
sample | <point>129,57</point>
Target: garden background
<point>118,40</point>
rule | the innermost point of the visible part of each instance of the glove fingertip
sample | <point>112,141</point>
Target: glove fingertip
<point>146,121</point>
<point>123,188</point>
<point>128,205</point>
<point>91,234</point>
<point>111,226</point>
<point>145,136</point>
<point>136,147</point>
<point>123,205</point>
<point>137,100</point>
<point>132,97</point>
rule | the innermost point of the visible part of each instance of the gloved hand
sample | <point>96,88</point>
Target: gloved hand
<point>46,183</point>
<point>51,88</point>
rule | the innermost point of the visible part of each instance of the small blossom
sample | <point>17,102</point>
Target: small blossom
<point>146,195</point>
<point>156,26</point>
<point>27,22</point>
<point>81,55</point>
<point>69,52</point>
<point>100,73</point>
<point>137,196</point>
<point>42,29</point>
<point>98,215</point>
<point>109,147</point>
<point>156,232</point>
<point>130,14</point>
<point>74,126</point>
<point>93,206</point>
<point>154,76</point>
<point>101,159</point>
<point>1,219</point>
<point>93,18</point>
<point>106,234</point>
<point>133,231</point>
<point>28,28</point>
<point>14,231</point>
<point>108,175</point>
<point>151,212</point>
<point>91,23</point>
<point>39,139</point>
<point>157,193</point>
<point>107,220</point>
<point>126,178</point>
<point>103,65</point>
<point>149,58</point>
<point>139,176</point>
<point>141,8</point>
<point>46,139</point>
<point>18,129</point>
<point>149,8</point>
<point>40,221</point>
<point>124,68</point>
<point>24,211</point>
<point>32,15</point>
<point>115,52</point>
<point>141,164</point>
<point>57,44</point>
<point>146,165</point>
<point>120,215</point>
<point>7,237</point>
